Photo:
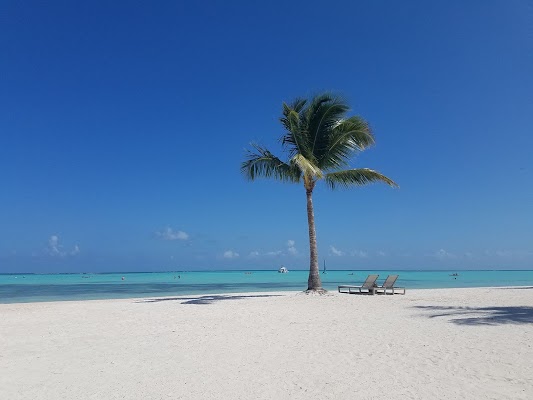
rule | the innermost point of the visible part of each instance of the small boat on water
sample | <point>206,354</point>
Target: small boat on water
<point>283,270</point>
<point>324,270</point>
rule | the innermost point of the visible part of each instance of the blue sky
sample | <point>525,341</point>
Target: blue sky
<point>123,127</point>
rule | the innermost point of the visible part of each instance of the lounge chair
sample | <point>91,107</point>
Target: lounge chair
<point>367,287</point>
<point>389,285</point>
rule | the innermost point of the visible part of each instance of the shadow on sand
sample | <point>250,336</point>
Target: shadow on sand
<point>482,315</point>
<point>204,299</point>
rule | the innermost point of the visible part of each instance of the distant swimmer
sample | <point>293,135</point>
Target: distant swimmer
<point>123,278</point>
<point>454,274</point>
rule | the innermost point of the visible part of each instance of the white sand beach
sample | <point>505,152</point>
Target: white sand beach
<point>428,344</point>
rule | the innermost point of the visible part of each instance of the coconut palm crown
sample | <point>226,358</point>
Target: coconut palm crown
<point>319,141</point>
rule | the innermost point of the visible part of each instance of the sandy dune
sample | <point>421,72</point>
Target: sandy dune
<point>428,344</point>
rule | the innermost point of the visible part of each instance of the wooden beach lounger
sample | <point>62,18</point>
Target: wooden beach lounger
<point>367,287</point>
<point>389,285</point>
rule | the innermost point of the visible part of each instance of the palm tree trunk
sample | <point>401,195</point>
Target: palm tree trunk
<point>313,283</point>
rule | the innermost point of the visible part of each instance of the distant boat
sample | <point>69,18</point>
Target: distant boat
<point>324,270</point>
<point>283,270</point>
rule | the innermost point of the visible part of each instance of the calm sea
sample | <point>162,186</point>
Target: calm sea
<point>18,288</point>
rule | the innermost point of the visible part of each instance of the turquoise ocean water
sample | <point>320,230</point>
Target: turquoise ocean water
<point>18,288</point>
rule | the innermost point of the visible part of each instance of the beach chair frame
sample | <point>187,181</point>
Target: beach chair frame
<point>366,288</point>
<point>388,285</point>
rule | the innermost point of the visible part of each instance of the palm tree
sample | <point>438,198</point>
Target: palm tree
<point>319,140</point>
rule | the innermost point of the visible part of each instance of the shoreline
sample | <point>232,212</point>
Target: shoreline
<point>280,292</point>
<point>461,343</point>
<point>38,288</point>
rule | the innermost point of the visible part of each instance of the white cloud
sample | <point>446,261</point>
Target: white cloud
<point>273,253</point>
<point>170,234</point>
<point>290,247</point>
<point>359,253</point>
<point>511,253</point>
<point>55,249</point>
<point>335,251</point>
<point>75,250</point>
<point>443,254</point>
<point>230,254</point>
<point>381,253</point>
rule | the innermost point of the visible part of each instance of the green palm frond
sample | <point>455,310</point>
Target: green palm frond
<point>295,141</point>
<point>263,163</point>
<point>323,115</point>
<point>350,135</point>
<point>298,104</point>
<point>358,130</point>
<point>295,106</point>
<point>356,177</point>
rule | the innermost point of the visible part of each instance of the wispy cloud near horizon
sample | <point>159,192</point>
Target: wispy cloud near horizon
<point>230,254</point>
<point>336,252</point>
<point>443,254</point>
<point>291,247</point>
<point>516,254</point>
<point>56,249</point>
<point>170,234</point>
<point>359,253</point>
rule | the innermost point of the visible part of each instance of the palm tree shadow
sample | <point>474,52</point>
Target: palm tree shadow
<point>204,299</point>
<point>482,315</point>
